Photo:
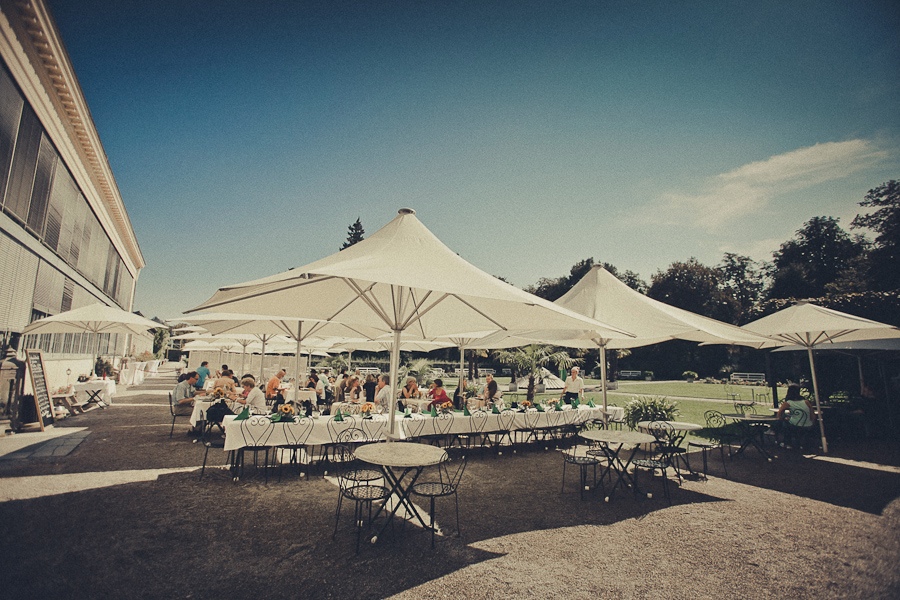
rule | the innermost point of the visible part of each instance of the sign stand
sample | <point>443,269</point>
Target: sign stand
<point>42,401</point>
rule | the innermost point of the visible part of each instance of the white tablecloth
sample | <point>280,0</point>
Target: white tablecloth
<point>260,431</point>
<point>106,387</point>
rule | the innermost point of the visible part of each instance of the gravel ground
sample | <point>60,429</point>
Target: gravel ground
<point>798,527</point>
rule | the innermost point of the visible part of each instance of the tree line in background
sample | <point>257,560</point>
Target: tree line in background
<point>823,263</point>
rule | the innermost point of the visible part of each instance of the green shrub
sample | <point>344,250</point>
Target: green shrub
<point>649,408</point>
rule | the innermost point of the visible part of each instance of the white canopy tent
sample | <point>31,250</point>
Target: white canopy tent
<point>811,326</point>
<point>600,295</point>
<point>405,279</point>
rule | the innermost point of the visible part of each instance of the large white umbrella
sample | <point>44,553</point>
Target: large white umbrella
<point>94,318</point>
<point>405,279</point>
<point>600,295</point>
<point>811,326</point>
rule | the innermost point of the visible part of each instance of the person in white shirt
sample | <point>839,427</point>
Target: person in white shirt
<point>573,387</point>
<point>383,392</point>
<point>255,400</point>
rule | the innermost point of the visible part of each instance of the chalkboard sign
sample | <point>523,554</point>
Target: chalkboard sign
<point>39,384</point>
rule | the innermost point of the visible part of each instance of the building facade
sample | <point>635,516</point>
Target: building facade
<point>65,237</point>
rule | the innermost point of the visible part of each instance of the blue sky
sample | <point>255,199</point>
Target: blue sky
<point>246,136</point>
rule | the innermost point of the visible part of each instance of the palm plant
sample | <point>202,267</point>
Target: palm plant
<point>420,366</point>
<point>529,360</point>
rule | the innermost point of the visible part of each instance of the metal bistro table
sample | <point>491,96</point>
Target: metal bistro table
<point>612,441</point>
<point>751,433</point>
<point>398,460</point>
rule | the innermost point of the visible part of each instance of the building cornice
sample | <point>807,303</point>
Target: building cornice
<point>58,100</point>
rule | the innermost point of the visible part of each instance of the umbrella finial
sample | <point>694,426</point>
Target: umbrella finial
<point>406,211</point>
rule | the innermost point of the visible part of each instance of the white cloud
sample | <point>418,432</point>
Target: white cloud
<point>750,188</point>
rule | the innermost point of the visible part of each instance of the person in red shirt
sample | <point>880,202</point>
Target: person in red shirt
<point>438,394</point>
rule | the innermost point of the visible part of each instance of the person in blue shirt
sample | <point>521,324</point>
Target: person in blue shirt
<point>203,373</point>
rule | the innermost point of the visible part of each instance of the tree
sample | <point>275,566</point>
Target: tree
<point>695,287</point>
<point>742,279</point>
<point>160,341</point>
<point>529,360</point>
<point>355,233</point>
<point>884,257</point>
<point>816,257</point>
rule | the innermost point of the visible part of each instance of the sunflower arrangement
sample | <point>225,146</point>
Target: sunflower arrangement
<point>366,410</point>
<point>218,393</point>
<point>525,404</point>
<point>446,407</point>
<point>285,413</point>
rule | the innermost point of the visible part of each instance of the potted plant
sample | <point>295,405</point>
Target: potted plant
<point>648,375</point>
<point>689,376</point>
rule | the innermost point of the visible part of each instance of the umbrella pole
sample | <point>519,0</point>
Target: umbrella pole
<point>395,367</point>
<point>262,361</point>
<point>462,373</point>
<point>603,377</point>
<point>243,355</point>
<point>812,368</point>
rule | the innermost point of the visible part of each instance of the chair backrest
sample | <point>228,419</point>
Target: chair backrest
<point>171,404</point>
<point>453,467</point>
<point>714,419</point>
<point>352,435</point>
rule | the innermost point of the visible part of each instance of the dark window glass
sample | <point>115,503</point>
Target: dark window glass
<point>10,112</point>
<point>21,179</point>
<point>40,195</point>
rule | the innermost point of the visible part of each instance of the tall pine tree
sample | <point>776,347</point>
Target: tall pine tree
<point>355,233</point>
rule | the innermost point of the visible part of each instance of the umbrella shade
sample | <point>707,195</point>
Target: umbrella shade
<point>94,318</point>
<point>813,326</point>
<point>402,278</point>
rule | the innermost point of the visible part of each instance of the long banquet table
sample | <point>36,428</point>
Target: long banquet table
<point>261,431</point>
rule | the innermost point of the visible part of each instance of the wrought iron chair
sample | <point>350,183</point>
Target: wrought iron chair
<point>356,484</point>
<point>583,461</point>
<point>178,410</point>
<point>665,456</point>
<point>450,473</point>
<point>615,422</point>
<point>714,420</point>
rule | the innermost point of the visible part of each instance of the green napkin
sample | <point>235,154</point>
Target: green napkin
<point>466,412</point>
<point>338,416</point>
<point>575,403</point>
<point>433,411</point>
<point>244,415</point>
<point>495,410</point>
<point>540,407</point>
<point>591,404</point>
<point>276,418</point>
<point>407,416</point>
<point>559,406</point>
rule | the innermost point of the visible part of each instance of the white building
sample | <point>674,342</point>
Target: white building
<point>65,237</point>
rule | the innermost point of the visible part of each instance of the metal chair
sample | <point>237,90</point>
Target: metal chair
<point>583,462</point>
<point>665,456</point>
<point>714,419</point>
<point>450,473</point>
<point>356,485</point>
<point>178,410</point>
<point>617,423</point>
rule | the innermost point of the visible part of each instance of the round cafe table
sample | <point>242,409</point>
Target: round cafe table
<point>397,461</point>
<point>751,433</point>
<point>611,442</point>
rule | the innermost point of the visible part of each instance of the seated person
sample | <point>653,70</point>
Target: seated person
<point>802,417</point>
<point>253,397</point>
<point>410,391</point>
<point>226,382</point>
<point>438,394</point>
<point>273,388</point>
<point>186,389</point>
<point>353,392</point>
<point>383,394</point>
<point>491,393</point>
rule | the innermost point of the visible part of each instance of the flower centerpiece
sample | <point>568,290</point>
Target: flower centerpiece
<point>285,413</point>
<point>217,394</point>
<point>366,410</point>
<point>525,404</point>
<point>554,404</point>
<point>446,407</point>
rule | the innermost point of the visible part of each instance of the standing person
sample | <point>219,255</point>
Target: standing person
<point>202,373</point>
<point>369,386</point>
<point>573,387</point>
<point>340,390</point>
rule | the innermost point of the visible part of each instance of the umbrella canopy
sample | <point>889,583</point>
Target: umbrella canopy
<point>405,279</point>
<point>811,326</point>
<point>94,318</point>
